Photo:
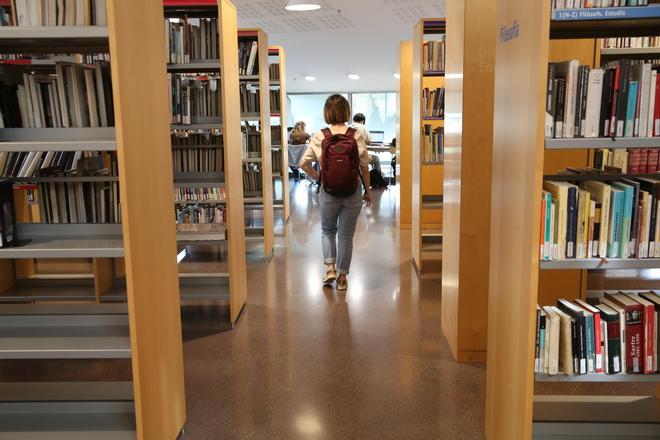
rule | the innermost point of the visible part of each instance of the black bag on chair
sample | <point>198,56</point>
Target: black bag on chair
<point>377,180</point>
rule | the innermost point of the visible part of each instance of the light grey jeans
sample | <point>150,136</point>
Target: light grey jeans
<point>338,219</point>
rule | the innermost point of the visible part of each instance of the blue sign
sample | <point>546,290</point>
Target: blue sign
<point>638,12</point>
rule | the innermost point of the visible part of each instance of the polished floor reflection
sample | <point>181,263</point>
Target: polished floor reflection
<point>306,362</point>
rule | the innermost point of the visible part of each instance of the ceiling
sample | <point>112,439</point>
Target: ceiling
<point>345,36</point>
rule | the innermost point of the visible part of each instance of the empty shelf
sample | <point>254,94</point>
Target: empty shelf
<point>67,411</point>
<point>192,287</point>
<point>195,66</point>
<point>50,290</point>
<point>598,378</point>
<point>64,331</point>
<point>598,263</point>
<point>58,139</point>
<point>53,39</point>
<point>586,143</point>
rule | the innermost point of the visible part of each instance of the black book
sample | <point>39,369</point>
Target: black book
<point>579,335</point>
<point>622,97</point>
<point>571,219</point>
<point>606,103</point>
<point>559,109</point>
<point>7,214</point>
<point>582,104</point>
<point>652,187</point>
<point>550,101</point>
<point>577,124</point>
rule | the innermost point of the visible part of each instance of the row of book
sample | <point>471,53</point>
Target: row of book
<point>276,134</point>
<point>252,177</point>
<point>274,71</point>
<point>76,95</point>
<point>615,334</point>
<point>629,42</point>
<point>198,160</point>
<point>249,98</point>
<point>615,219</point>
<point>579,4</point>
<point>251,141</point>
<point>277,162</point>
<point>79,202</point>
<point>199,194</point>
<point>198,214</point>
<point>631,161</point>
<point>432,144</point>
<point>433,55</point>
<point>433,102</point>
<point>194,97</point>
<point>56,163</point>
<point>248,57</point>
<point>274,95</point>
<point>191,39</point>
<point>59,13</point>
<point>622,99</point>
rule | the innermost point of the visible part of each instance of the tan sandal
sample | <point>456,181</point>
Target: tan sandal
<point>330,277</point>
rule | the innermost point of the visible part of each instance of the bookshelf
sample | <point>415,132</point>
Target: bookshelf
<point>260,217</point>
<point>404,135</point>
<point>225,174</point>
<point>528,40</point>
<point>427,175</point>
<point>280,144</point>
<point>147,328</point>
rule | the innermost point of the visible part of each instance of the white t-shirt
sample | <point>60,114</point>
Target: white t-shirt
<point>365,131</point>
<point>313,151</point>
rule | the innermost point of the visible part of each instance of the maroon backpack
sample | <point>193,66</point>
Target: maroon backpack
<point>340,163</point>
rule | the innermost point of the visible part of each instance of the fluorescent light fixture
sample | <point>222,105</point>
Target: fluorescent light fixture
<point>397,76</point>
<point>353,76</point>
<point>302,5</point>
<point>310,78</point>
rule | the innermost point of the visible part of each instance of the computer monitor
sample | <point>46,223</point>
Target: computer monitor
<point>377,137</point>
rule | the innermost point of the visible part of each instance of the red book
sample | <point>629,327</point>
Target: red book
<point>652,161</point>
<point>635,160</point>
<point>648,322</point>
<point>615,94</point>
<point>598,337</point>
<point>634,331</point>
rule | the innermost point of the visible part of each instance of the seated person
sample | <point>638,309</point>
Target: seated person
<point>298,135</point>
<point>358,124</point>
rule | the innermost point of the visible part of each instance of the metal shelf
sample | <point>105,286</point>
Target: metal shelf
<point>57,139</point>
<point>584,143</point>
<point>633,378</point>
<point>251,117</point>
<point>603,177</point>
<point>248,78</point>
<point>214,179</point>
<point>200,202</point>
<point>65,179</point>
<point>48,290</point>
<point>252,160</point>
<point>598,263</point>
<point>196,237</point>
<point>53,39</point>
<point>432,201</point>
<point>38,240</point>
<point>192,287</point>
<point>605,22</point>
<point>67,411</point>
<point>630,51</point>
<point>195,66</point>
<point>596,417</point>
<point>206,126</point>
<point>52,331</point>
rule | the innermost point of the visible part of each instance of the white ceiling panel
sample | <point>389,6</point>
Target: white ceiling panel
<point>344,36</point>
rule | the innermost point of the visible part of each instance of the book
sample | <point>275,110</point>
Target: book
<point>597,335</point>
<point>581,352</point>
<point>594,98</point>
<point>613,332</point>
<point>634,331</point>
<point>654,298</point>
<point>8,236</point>
<point>649,332</point>
<point>566,356</point>
<point>553,328</point>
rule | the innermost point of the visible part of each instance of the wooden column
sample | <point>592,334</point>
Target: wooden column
<point>145,179</point>
<point>520,76</point>
<point>404,136</point>
<point>467,167</point>
<point>231,114</point>
<point>267,159</point>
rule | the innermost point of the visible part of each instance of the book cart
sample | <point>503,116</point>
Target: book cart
<point>280,139</point>
<point>258,199</point>
<point>202,281</point>
<point>427,174</point>
<point>521,158</point>
<point>147,329</point>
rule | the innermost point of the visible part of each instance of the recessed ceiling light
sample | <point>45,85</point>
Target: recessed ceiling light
<point>302,5</point>
<point>310,78</point>
<point>397,76</point>
<point>353,76</point>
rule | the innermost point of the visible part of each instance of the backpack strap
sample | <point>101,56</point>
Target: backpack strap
<point>326,133</point>
<point>350,132</point>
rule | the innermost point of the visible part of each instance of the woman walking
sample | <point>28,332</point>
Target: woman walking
<point>342,153</point>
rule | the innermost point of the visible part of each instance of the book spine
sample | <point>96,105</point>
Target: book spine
<point>634,339</point>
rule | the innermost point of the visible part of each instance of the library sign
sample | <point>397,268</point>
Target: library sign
<point>508,33</point>
<point>605,13</point>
